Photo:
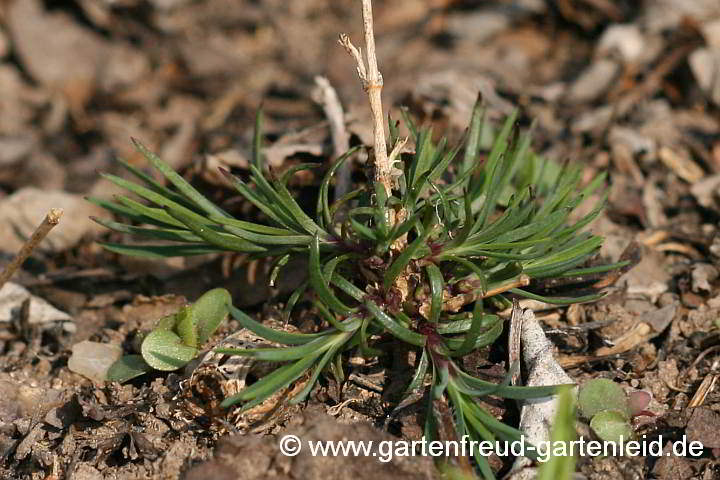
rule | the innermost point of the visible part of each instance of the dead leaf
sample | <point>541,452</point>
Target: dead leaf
<point>537,415</point>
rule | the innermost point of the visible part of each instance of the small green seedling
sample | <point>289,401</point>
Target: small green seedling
<point>611,410</point>
<point>176,338</point>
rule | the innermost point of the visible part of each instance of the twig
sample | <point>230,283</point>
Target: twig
<point>372,83</point>
<point>51,219</point>
<point>454,304</point>
<point>707,385</point>
<point>327,97</point>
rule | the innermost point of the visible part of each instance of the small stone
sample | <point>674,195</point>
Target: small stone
<point>626,39</point>
<point>703,274</point>
<point>671,467</point>
<point>93,359</point>
<point>703,427</point>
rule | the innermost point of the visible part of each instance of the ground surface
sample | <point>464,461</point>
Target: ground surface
<point>624,86</point>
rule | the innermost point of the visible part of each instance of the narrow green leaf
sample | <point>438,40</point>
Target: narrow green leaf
<point>409,123</point>
<point>480,339</point>
<point>170,234</point>
<point>222,240</point>
<point>460,326</point>
<point>323,204</point>
<point>159,251</point>
<point>250,226</point>
<point>278,379</point>
<point>583,247</point>
<point>156,216</point>
<point>478,320</point>
<point>257,144</point>
<point>265,205</point>
<point>497,153</point>
<point>154,197</point>
<point>394,327</point>
<point>262,239</point>
<point>293,299</point>
<point>277,265</point>
<point>180,183</point>
<point>123,211</point>
<point>517,393</point>
<point>283,354</point>
<point>347,287</point>
<point>424,152</point>
<point>271,334</point>
<point>418,379</point>
<point>320,285</point>
<point>437,284</point>
<point>474,135</point>
<point>302,394</point>
<point>363,340</point>
<point>594,270</point>
<point>307,223</point>
<point>151,183</point>
<point>558,300</point>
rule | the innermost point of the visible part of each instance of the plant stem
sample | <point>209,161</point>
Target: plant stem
<point>51,219</point>
<point>372,83</point>
<point>374,87</point>
<point>455,303</point>
<point>327,97</point>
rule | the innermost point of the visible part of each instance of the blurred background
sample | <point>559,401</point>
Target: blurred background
<point>78,78</point>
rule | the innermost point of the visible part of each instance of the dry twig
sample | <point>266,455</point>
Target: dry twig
<point>326,96</point>
<point>372,83</point>
<point>51,219</point>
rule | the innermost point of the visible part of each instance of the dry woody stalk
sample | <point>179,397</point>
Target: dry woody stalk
<point>372,82</point>
<point>51,219</point>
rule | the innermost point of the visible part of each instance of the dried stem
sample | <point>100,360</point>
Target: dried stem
<point>455,303</point>
<point>372,83</point>
<point>51,219</point>
<point>514,336</point>
<point>327,97</point>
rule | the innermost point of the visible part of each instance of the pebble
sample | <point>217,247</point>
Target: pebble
<point>93,359</point>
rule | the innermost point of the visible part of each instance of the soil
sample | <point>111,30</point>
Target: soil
<point>620,86</point>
